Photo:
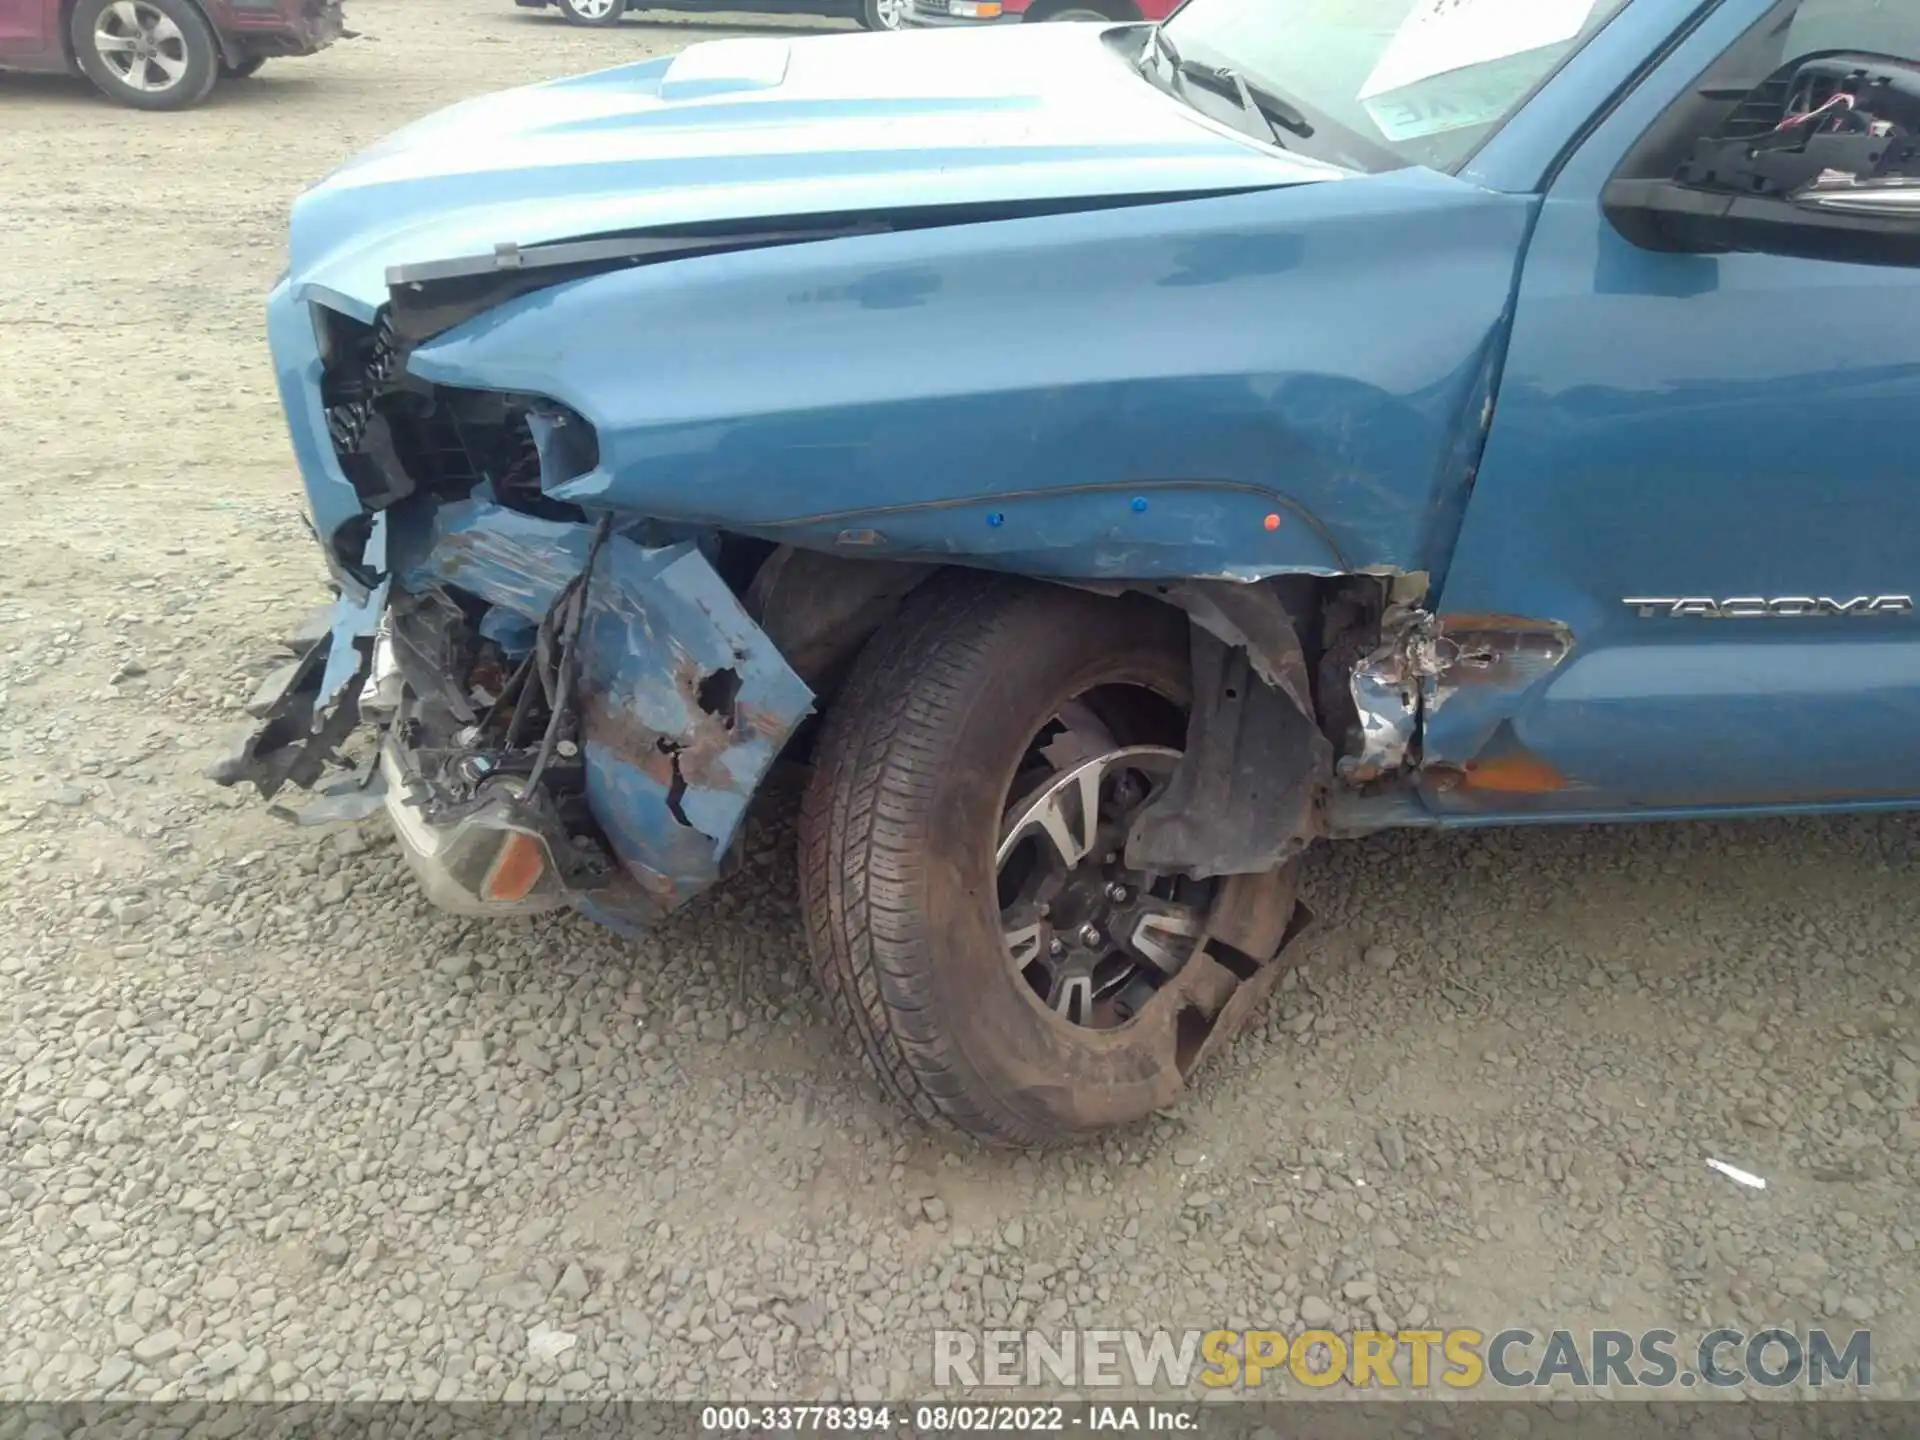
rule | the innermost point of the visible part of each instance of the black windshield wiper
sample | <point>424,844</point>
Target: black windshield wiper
<point>1276,113</point>
<point>1270,109</point>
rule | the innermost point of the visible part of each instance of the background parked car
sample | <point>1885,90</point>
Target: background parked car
<point>161,54</point>
<point>998,12</point>
<point>872,14</point>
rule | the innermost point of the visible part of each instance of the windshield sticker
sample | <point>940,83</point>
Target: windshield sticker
<point>1481,96</point>
<point>1399,119</point>
<point>1441,36</point>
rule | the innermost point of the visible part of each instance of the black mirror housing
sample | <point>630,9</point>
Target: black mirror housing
<point>1667,216</point>
<point>1820,162</point>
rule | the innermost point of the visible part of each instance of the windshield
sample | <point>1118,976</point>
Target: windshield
<point>1382,82</point>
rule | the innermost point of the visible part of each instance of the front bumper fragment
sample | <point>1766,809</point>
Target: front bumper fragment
<point>265,31</point>
<point>679,705</point>
<point>934,15</point>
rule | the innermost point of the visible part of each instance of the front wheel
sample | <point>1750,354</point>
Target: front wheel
<point>592,12</point>
<point>884,14</point>
<point>150,54</point>
<point>968,905</point>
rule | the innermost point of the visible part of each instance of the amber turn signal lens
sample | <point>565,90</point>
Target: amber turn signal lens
<point>516,870</point>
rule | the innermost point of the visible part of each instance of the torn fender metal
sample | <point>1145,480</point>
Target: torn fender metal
<point>1495,655</point>
<point>308,705</point>
<point>1476,668</point>
<point>1386,688</point>
<point>682,703</point>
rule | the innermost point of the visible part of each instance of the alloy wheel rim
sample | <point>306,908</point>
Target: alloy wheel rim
<point>141,45</point>
<point>593,9</point>
<point>1091,939</point>
<point>893,13</point>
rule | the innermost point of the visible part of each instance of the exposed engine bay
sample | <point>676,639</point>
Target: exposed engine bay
<point>395,434</point>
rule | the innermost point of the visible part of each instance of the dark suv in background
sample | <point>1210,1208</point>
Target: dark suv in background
<point>161,54</point>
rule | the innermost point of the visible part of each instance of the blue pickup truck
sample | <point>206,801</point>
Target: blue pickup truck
<point>1114,458</point>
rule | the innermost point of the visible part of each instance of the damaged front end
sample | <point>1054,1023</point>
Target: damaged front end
<point>580,443</point>
<point>568,710</point>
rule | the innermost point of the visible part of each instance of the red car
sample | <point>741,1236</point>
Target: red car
<point>161,54</point>
<point>1003,12</point>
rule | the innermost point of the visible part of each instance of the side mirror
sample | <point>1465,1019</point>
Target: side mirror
<point>1861,223</point>
<point>1821,162</point>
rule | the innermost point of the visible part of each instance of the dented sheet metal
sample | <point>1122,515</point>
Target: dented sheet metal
<point>684,702</point>
<point>672,706</point>
<point>1474,668</point>
<point>1387,687</point>
<point>1495,654</point>
<point>1489,666</point>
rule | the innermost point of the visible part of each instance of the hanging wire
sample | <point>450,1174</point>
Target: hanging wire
<point>574,593</point>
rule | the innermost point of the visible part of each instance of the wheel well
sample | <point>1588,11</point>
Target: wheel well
<point>1262,734</point>
<point>228,54</point>
<point>820,609</point>
<point>1121,10</point>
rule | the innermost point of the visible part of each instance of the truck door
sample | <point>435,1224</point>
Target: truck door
<point>1678,431</point>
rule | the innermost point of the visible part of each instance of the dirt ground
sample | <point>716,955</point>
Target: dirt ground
<point>273,1127</point>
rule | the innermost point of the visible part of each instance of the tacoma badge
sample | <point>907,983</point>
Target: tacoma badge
<point>1755,607</point>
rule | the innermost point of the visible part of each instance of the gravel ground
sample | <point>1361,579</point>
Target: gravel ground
<point>274,1127</point>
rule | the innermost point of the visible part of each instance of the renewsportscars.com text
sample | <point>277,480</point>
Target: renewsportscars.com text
<point>1457,1359</point>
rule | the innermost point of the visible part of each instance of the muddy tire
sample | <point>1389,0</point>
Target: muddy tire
<point>926,753</point>
<point>150,54</point>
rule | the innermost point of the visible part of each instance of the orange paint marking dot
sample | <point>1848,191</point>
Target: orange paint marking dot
<point>1272,522</point>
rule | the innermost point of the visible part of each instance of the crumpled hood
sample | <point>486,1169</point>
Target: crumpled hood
<point>748,128</point>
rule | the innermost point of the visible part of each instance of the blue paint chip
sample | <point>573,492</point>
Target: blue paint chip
<point>1139,504</point>
<point>996,519</point>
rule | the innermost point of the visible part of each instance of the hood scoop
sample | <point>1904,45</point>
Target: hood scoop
<point>726,67</point>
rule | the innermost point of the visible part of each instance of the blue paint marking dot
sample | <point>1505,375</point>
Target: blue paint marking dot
<point>996,519</point>
<point>1139,504</point>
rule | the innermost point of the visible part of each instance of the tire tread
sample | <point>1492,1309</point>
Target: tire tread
<point>863,847</point>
